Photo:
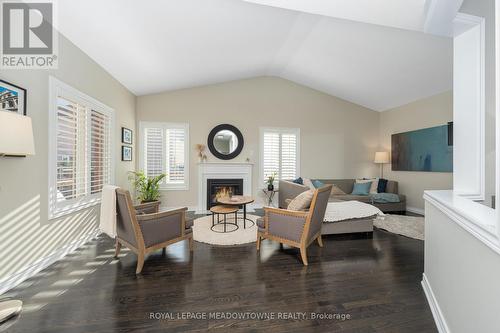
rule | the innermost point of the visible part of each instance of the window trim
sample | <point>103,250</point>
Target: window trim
<point>56,88</point>
<point>280,130</point>
<point>166,125</point>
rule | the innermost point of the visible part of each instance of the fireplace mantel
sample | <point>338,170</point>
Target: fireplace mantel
<point>222,170</point>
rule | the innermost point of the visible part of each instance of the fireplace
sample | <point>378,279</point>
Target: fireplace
<point>222,187</point>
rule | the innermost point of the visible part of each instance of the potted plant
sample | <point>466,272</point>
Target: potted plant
<point>148,188</point>
<point>270,181</point>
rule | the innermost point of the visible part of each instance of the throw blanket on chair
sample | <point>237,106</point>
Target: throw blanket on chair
<point>347,210</point>
<point>107,222</point>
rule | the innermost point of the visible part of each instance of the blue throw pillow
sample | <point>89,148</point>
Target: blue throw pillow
<point>317,183</point>
<point>382,185</point>
<point>361,188</point>
<point>298,181</point>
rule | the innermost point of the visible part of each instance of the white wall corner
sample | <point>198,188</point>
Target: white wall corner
<point>439,16</point>
<point>469,107</point>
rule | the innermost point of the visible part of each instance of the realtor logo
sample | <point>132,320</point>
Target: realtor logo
<point>29,38</point>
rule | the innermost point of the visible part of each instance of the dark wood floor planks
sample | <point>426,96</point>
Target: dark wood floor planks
<point>376,281</point>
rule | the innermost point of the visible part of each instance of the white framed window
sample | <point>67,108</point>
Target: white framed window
<point>164,148</point>
<point>81,155</point>
<point>280,153</point>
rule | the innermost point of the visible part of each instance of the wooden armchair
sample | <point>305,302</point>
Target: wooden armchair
<point>143,229</point>
<point>295,228</point>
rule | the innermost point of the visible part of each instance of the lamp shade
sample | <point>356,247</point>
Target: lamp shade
<point>16,135</point>
<point>381,157</point>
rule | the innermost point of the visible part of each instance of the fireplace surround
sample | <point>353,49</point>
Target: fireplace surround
<point>216,186</point>
<point>222,170</point>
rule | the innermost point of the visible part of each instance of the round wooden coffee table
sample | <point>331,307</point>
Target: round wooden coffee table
<point>224,210</point>
<point>236,201</point>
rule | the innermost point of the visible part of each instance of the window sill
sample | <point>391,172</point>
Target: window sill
<point>175,188</point>
<point>477,219</point>
<point>56,213</point>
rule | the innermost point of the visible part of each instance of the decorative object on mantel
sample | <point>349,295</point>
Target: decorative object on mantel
<point>381,157</point>
<point>225,142</point>
<point>126,154</point>
<point>148,188</point>
<point>12,98</point>
<point>16,135</point>
<point>202,232</point>
<point>270,181</point>
<point>202,157</point>
<point>127,136</point>
<point>16,139</point>
<point>428,149</point>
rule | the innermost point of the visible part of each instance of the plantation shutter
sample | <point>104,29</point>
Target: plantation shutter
<point>71,177</point>
<point>153,152</point>
<point>288,156</point>
<point>271,154</point>
<point>100,151</point>
<point>80,149</point>
<point>175,158</point>
<point>280,154</point>
<point>164,150</point>
<point>83,150</point>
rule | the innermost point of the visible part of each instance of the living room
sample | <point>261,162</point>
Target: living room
<point>305,151</point>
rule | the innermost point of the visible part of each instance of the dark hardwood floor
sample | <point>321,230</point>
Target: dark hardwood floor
<point>374,281</point>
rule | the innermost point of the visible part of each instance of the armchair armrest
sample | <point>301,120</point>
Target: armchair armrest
<point>161,215</point>
<point>286,224</point>
<point>147,208</point>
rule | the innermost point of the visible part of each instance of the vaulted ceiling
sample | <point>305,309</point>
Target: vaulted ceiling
<point>152,46</point>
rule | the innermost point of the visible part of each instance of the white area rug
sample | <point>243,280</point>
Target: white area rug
<point>409,226</point>
<point>203,233</point>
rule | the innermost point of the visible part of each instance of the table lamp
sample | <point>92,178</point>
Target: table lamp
<point>381,157</point>
<point>16,140</point>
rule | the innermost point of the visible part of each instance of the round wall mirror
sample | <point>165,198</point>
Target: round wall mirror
<point>225,141</point>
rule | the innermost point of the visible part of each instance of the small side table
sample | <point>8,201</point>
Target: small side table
<point>224,210</point>
<point>270,195</point>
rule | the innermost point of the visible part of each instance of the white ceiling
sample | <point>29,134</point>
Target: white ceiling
<point>153,46</point>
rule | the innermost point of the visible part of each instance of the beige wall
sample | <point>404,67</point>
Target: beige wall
<point>433,111</point>
<point>338,138</point>
<point>26,234</point>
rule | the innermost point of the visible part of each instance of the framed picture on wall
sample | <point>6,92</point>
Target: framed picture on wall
<point>126,154</point>
<point>12,98</point>
<point>126,136</point>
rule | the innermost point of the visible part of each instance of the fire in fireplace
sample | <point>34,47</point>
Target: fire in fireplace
<point>217,188</point>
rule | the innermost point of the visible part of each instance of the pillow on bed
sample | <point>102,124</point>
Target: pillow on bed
<point>302,201</point>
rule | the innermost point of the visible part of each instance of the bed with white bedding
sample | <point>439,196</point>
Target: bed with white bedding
<point>343,217</point>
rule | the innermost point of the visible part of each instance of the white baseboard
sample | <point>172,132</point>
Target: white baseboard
<point>436,310</point>
<point>416,210</point>
<point>17,278</point>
